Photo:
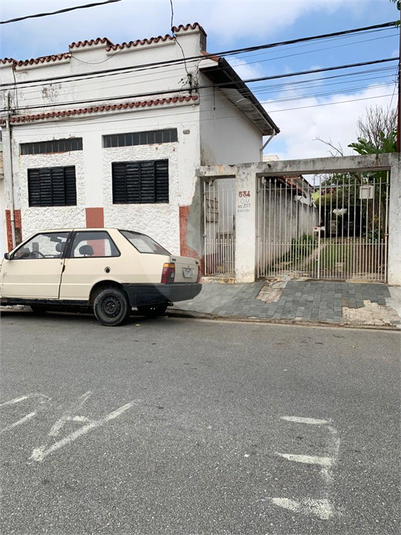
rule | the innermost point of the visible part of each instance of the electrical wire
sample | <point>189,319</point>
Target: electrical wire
<point>378,27</point>
<point>107,120</point>
<point>178,68</point>
<point>220,85</point>
<point>65,10</point>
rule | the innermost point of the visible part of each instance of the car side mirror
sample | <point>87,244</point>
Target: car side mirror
<point>7,256</point>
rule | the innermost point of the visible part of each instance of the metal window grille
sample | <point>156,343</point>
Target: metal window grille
<point>143,182</point>
<point>54,145</point>
<point>52,186</point>
<point>168,135</point>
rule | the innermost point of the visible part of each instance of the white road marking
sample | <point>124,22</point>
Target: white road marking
<point>22,421</point>
<point>54,431</point>
<point>308,459</point>
<point>43,399</point>
<point>12,401</point>
<point>39,454</point>
<point>311,421</point>
<point>320,508</point>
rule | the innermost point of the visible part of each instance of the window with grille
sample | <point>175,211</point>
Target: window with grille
<point>52,186</point>
<point>54,145</point>
<point>140,182</point>
<point>169,135</point>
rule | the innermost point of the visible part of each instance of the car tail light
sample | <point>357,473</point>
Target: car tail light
<point>198,278</point>
<point>168,273</point>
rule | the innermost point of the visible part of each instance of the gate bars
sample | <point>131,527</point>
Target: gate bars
<point>335,229</point>
<point>219,226</point>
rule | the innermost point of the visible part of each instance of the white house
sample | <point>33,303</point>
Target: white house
<point>112,135</point>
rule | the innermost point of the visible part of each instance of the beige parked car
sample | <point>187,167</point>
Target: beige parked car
<point>108,270</point>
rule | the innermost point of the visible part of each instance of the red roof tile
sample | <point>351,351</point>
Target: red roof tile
<point>103,108</point>
<point>91,42</point>
<point>101,40</point>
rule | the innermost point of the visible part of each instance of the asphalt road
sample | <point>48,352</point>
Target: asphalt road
<point>173,426</point>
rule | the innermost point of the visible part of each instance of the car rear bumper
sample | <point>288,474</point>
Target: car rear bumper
<point>154,294</point>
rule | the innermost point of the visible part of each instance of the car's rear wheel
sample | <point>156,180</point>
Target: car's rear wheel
<point>152,311</point>
<point>111,307</point>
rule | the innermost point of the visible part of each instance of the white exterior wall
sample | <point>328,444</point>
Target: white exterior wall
<point>227,135</point>
<point>210,130</point>
<point>93,171</point>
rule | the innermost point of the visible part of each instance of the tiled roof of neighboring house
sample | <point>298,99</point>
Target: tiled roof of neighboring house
<point>101,41</point>
<point>104,108</point>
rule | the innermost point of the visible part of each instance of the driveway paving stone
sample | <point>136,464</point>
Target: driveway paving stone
<point>347,303</point>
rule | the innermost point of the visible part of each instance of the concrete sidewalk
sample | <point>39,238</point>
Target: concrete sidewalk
<point>297,301</point>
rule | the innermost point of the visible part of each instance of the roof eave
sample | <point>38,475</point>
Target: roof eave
<point>220,72</point>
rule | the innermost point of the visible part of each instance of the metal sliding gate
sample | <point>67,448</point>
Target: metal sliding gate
<point>219,226</point>
<point>335,228</point>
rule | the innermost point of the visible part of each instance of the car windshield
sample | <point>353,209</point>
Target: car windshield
<point>143,243</point>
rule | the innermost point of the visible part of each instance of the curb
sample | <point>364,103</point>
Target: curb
<point>306,323</point>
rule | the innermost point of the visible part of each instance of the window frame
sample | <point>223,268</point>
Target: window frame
<point>70,252</point>
<point>145,137</point>
<point>51,146</point>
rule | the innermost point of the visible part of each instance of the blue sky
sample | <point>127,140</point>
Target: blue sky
<point>303,111</point>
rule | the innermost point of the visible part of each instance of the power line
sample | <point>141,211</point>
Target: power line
<point>65,10</point>
<point>107,120</point>
<point>377,27</point>
<point>208,86</point>
<point>327,104</point>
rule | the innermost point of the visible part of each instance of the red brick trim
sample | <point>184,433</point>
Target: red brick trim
<point>94,217</point>
<point>185,250</point>
<point>17,226</point>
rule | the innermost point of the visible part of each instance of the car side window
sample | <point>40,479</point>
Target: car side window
<point>42,246</point>
<point>93,244</point>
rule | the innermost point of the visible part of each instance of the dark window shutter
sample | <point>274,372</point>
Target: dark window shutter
<point>161,172</point>
<point>70,186</point>
<point>144,182</point>
<point>52,186</point>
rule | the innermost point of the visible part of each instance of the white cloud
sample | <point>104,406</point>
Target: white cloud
<point>335,122</point>
<point>225,20</point>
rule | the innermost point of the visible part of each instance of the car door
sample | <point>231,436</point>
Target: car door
<point>33,270</point>
<point>93,257</point>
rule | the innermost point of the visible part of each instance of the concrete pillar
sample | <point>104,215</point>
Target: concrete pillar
<point>394,239</point>
<point>245,224</point>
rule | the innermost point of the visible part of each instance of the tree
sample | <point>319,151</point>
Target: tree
<point>377,131</point>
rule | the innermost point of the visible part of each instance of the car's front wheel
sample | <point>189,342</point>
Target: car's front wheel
<point>111,307</point>
<point>152,311</point>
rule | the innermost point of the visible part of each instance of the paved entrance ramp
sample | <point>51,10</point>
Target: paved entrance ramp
<point>347,303</point>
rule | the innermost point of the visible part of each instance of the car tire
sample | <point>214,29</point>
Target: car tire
<point>152,311</point>
<point>111,307</point>
<point>39,310</point>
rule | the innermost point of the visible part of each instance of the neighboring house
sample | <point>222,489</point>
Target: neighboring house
<point>112,135</point>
